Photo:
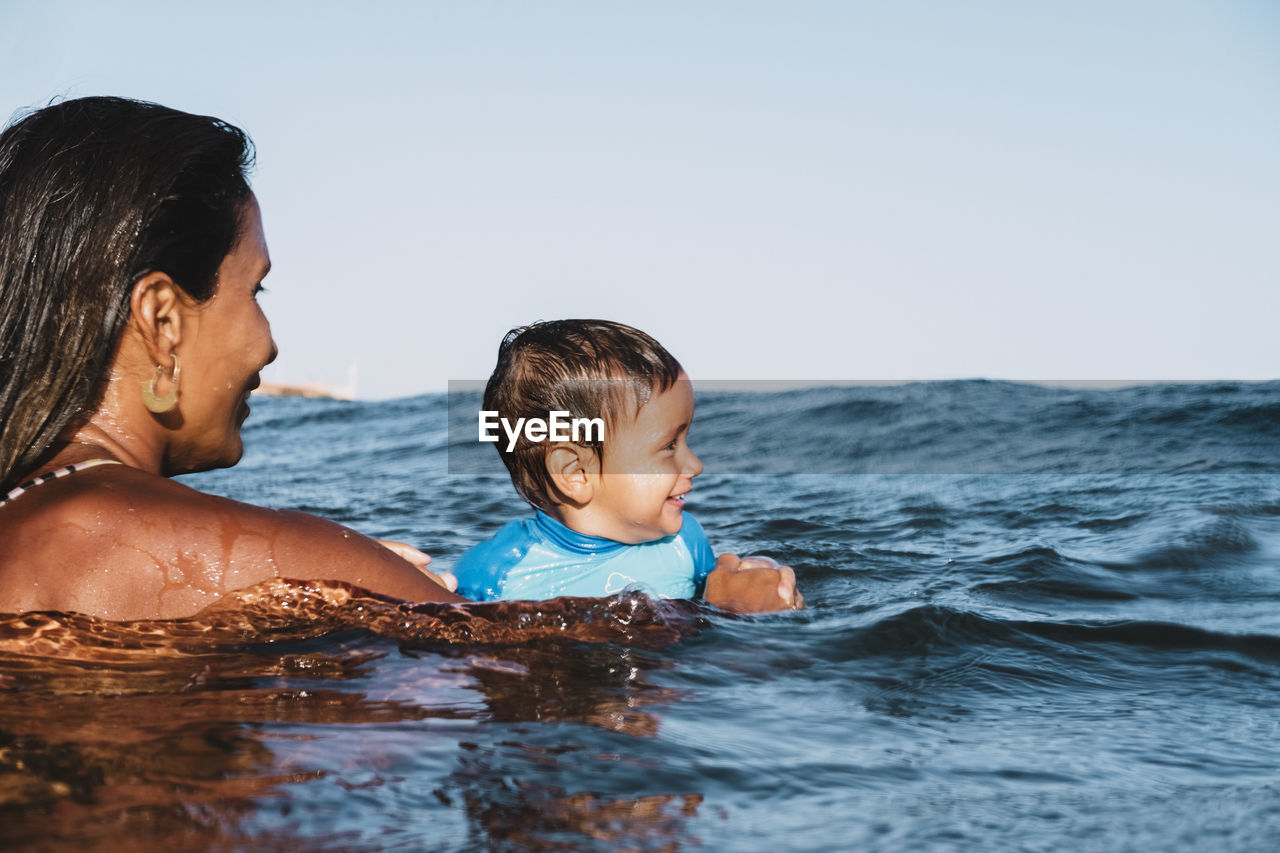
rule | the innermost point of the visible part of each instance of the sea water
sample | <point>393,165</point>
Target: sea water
<point>1038,619</point>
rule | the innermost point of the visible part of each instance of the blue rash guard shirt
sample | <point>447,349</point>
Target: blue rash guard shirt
<point>537,558</point>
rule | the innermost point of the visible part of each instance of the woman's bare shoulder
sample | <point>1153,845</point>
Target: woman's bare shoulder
<point>128,544</point>
<point>120,541</point>
<point>98,507</point>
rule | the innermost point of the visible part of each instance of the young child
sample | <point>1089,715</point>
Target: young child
<point>610,509</point>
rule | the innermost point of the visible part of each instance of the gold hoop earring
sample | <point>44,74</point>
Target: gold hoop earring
<point>160,405</point>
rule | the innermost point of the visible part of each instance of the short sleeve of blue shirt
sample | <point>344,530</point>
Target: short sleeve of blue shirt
<point>483,567</point>
<point>704,559</point>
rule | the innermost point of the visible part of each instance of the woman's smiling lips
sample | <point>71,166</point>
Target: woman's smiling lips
<point>248,391</point>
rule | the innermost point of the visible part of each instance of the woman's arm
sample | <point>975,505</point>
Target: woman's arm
<point>307,546</point>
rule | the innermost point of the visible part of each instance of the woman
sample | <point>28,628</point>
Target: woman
<point>131,256</point>
<point>132,253</point>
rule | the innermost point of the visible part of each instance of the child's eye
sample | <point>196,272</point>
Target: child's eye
<point>258,290</point>
<point>672,445</point>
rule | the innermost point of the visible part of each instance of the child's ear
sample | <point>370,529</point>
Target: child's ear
<point>568,470</point>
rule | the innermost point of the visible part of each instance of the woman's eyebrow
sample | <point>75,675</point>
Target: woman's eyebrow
<point>265,269</point>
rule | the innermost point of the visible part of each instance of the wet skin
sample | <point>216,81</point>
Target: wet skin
<point>638,490</point>
<point>226,341</point>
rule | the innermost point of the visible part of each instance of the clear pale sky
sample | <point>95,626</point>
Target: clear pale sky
<point>807,190</point>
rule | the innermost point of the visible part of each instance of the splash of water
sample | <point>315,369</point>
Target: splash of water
<point>289,610</point>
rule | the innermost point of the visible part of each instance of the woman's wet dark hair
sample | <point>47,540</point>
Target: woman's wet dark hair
<point>96,193</point>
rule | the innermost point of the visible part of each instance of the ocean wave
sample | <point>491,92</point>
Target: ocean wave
<point>932,629</point>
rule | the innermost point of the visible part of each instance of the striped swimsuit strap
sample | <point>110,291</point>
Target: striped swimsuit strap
<point>53,475</point>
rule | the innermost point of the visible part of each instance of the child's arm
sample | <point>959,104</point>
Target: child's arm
<point>749,585</point>
<point>752,585</point>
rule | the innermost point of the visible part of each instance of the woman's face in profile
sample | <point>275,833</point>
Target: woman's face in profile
<point>230,343</point>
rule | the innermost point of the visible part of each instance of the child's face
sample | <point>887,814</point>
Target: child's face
<point>644,499</point>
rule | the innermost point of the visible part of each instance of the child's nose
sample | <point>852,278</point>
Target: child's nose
<point>692,465</point>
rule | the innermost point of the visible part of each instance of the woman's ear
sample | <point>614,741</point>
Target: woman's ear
<point>156,309</point>
<point>568,468</point>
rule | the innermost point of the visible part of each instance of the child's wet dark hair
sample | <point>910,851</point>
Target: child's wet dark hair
<point>589,368</point>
